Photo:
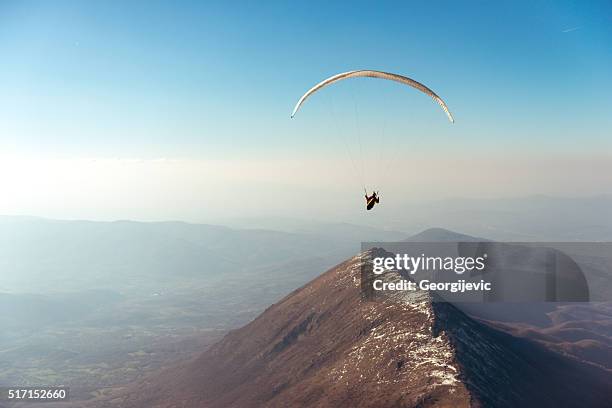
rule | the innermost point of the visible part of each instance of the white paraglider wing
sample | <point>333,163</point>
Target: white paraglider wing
<point>374,74</point>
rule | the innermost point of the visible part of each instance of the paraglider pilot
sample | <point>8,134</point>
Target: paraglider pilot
<point>370,201</point>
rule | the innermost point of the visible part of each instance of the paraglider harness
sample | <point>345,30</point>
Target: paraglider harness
<point>373,199</point>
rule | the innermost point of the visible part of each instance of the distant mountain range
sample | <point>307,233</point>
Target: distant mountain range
<point>39,255</point>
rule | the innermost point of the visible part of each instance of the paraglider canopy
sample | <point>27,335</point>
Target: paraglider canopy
<point>374,74</point>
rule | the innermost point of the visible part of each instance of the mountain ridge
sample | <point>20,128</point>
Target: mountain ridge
<point>323,345</point>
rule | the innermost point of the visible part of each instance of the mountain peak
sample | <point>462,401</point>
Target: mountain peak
<point>442,235</point>
<point>323,345</point>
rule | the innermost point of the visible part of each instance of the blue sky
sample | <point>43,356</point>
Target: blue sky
<point>173,78</point>
<point>217,80</point>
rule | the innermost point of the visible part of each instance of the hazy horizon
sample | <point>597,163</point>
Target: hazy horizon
<point>201,191</point>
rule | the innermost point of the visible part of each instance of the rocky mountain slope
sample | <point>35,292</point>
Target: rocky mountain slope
<point>325,346</point>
